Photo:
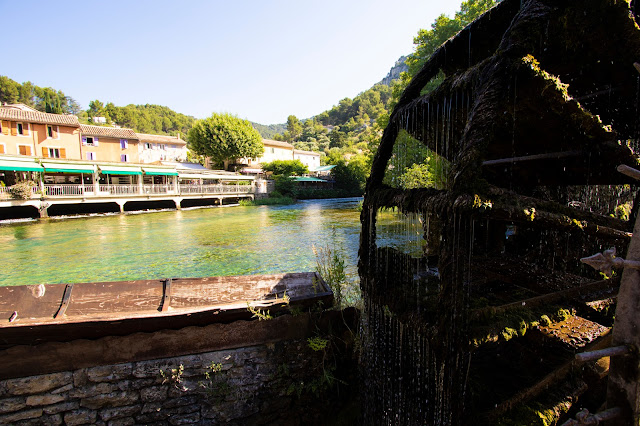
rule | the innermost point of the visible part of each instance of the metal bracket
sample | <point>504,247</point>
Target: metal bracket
<point>607,260</point>
<point>66,298</point>
<point>166,294</point>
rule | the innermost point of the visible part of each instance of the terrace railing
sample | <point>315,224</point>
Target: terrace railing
<point>104,190</point>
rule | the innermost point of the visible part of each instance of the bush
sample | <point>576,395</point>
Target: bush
<point>22,190</point>
<point>268,201</point>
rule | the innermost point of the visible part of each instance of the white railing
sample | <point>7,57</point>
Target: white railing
<point>74,190</point>
<point>119,189</point>
<point>215,189</point>
<point>158,189</point>
<point>65,190</point>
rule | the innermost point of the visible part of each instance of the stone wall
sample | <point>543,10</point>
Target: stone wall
<point>273,383</point>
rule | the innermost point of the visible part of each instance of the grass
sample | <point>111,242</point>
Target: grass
<point>268,201</point>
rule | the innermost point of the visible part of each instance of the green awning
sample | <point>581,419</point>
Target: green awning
<point>323,168</point>
<point>159,172</point>
<point>20,166</point>
<point>68,168</point>
<point>109,170</point>
<point>307,179</point>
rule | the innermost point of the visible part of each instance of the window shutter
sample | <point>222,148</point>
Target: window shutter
<point>95,141</point>
<point>55,131</point>
<point>45,152</point>
<point>25,129</point>
<point>1,149</point>
<point>14,129</point>
<point>28,150</point>
<point>84,140</point>
<point>6,125</point>
<point>63,153</point>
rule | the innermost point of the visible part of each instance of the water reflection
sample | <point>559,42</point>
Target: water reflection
<point>187,243</point>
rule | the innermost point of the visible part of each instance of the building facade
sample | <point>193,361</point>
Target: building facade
<point>308,158</point>
<point>154,148</point>
<point>99,143</point>
<point>27,132</point>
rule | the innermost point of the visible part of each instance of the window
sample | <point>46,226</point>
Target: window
<point>273,150</point>
<point>24,149</point>
<point>124,158</point>
<point>124,144</point>
<point>53,152</point>
<point>147,145</point>
<point>90,141</point>
<point>91,155</point>
<point>20,129</point>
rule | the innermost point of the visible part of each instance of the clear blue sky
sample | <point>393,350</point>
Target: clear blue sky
<point>260,60</point>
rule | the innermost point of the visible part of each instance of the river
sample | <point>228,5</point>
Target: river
<point>236,240</point>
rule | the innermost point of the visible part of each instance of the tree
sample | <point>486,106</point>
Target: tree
<point>294,127</point>
<point>286,167</point>
<point>225,137</point>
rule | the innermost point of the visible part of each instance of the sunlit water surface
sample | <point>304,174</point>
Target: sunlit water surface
<point>189,243</point>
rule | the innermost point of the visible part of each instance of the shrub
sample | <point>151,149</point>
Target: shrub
<point>22,190</point>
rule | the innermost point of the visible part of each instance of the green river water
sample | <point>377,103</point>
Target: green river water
<point>233,240</point>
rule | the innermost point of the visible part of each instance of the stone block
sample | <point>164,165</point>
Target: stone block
<point>108,414</point>
<point>149,369</point>
<point>114,399</point>
<point>144,383</point>
<point>179,402</point>
<point>126,421</point>
<point>92,390</point>
<point>61,408</point>
<point>80,417</point>
<point>151,407</point>
<point>33,413</point>
<point>109,373</point>
<point>62,389</point>
<point>152,417</point>
<point>9,405</point>
<point>80,377</point>
<point>154,393</point>
<point>54,420</point>
<point>46,399</point>
<point>37,384</point>
<point>185,419</point>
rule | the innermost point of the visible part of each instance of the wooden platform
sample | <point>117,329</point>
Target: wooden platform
<point>58,313</point>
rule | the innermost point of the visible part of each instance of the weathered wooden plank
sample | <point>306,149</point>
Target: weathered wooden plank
<point>118,308</point>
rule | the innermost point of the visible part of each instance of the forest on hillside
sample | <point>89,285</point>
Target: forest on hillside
<point>348,134</point>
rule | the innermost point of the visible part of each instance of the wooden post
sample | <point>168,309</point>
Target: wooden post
<point>624,373</point>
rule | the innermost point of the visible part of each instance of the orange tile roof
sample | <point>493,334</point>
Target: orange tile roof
<point>15,114</point>
<point>146,137</point>
<point>107,132</point>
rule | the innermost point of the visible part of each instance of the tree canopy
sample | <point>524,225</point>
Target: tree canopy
<point>225,137</point>
<point>43,99</point>
<point>286,167</point>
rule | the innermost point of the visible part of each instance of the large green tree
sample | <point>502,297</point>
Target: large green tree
<point>225,137</point>
<point>286,167</point>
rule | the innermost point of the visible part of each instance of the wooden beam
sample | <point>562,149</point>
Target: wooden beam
<point>545,156</point>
